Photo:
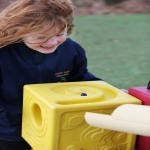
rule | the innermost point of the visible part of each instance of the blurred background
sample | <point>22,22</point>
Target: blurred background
<point>116,37</point>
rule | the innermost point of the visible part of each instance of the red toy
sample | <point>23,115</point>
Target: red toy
<point>142,93</point>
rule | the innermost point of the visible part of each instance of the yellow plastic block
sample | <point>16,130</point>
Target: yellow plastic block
<point>53,116</point>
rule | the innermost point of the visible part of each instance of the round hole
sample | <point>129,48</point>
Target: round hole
<point>37,115</point>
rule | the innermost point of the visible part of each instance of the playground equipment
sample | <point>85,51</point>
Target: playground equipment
<point>53,116</point>
<point>142,93</point>
<point>128,118</point>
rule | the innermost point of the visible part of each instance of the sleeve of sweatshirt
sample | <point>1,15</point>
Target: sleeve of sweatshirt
<point>80,71</point>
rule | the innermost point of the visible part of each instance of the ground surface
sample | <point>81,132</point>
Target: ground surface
<point>99,7</point>
<point>86,7</point>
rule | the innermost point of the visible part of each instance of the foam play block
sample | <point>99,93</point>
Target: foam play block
<point>53,116</point>
<point>142,93</point>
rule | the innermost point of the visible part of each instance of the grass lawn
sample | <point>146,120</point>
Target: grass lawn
<point>117,47</point>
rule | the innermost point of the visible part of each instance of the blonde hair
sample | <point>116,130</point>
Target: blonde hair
<point>26,16</point>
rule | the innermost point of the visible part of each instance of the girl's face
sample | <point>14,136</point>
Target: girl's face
<point>46,41</point>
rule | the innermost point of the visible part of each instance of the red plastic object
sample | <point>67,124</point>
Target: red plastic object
<point>142,93</point>
<point>143,143</point>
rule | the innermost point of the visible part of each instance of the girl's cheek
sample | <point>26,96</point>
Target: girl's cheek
<point>64,38</point>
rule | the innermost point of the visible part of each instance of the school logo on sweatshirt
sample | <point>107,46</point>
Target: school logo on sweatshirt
<point>62,75</point>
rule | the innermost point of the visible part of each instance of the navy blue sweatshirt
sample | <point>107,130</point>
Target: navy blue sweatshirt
<point>20,65</point>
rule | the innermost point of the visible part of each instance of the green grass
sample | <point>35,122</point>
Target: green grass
<point>117,47</point>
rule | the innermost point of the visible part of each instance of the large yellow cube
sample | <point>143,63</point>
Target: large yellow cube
<point>53,116</point>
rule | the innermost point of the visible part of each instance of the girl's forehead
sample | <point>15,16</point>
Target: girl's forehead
<point>49,30</point>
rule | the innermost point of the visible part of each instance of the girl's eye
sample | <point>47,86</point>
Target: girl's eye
<point>42,37</point>
<point>60,34</point>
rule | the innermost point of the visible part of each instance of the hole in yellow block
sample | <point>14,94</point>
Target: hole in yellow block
<point>36,114</point>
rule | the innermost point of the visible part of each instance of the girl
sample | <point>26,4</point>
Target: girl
<point>34,49</point>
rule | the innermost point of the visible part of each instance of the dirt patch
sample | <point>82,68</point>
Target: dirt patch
<point>86,7</point>
<point>100,7</point>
